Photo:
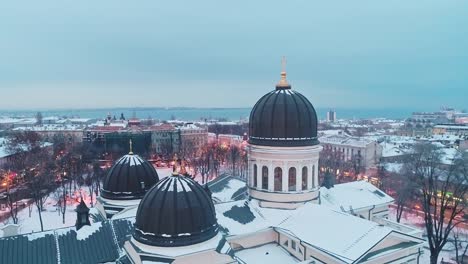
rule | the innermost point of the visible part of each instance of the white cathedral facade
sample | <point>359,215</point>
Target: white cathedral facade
<point>286,218</point>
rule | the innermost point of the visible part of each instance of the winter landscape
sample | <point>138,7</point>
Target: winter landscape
<point>246,132</point>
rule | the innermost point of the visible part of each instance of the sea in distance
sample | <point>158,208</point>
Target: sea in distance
<point>194,114</point>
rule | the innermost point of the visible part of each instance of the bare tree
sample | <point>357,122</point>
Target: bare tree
<point>460,242</point>
<point>443,192</point>
<point>40,182</point>
<point>22,145</point>
<point>234,156</point>
<point>405,192</point>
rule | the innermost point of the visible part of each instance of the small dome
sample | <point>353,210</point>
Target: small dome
<point>175,212</point>
<point>284,118</point>
<point>129,178</point>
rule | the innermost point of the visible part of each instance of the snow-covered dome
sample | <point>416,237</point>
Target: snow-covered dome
<point>130,178</point>
<point>283,117</point>
<point>177,211</point>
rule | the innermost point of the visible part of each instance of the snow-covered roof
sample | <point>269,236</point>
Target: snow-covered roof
<point>9,120</point>
<point>51,127</point>
<point>395,149</point>
<point>5,153</point>
<point>322,227</point>
<point>3,150</point>
<point>393,167</point>
<point>346,140</point>
<point>100,242</point>
<point>210,244</point>
<point>74,120</point>
<point>448,155</point>
<point>457,127</point>
<point>227,189</point>
<point>191,126</point>
<point>245,217</point>
<point>270,253</point>
<point>355,195</point>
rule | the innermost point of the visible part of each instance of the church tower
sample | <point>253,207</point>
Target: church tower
<point>283,149</point>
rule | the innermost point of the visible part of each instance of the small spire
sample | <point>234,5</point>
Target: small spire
<point>131,147</point>
<point>283,83</point>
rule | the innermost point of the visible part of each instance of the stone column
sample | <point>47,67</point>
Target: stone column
<point>271,177</point>
<point>298,178</point>
<point>316,174</point>
<point>285,179</point>
<point>309,177</point>
<point>259,176</point>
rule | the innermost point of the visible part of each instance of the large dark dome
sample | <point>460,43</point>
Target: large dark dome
<point>284,118</point>
<point>175,212</point>
<point>129,178</point>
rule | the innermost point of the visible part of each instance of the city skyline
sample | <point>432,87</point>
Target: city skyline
<point>368,55</point>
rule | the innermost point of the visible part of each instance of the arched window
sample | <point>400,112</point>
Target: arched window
<point>292,179</point>
<point>278,179</point>
<point>305,173</point>
<point>265,178</point>
<point>313,176</point>
<point>255,176</point>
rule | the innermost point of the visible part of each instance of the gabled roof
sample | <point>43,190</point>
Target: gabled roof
<point>316,225</point>
<point>322,227</point>
<point>353,195</point>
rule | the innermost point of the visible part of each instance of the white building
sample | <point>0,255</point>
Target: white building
<point>366,150</point>
<point>331,116</point>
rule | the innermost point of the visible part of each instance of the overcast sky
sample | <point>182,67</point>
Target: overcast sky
<point>395,54</point>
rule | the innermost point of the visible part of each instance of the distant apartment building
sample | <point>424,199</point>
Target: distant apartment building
<point>366,150</point>
<point>227,140</point>
<point>451,129</point>
<point>187,139</point>
<point>73,133</point>
<point>421,123</point>
<point>192,138</point>
<point>331,116</point>
<point>165,139</point>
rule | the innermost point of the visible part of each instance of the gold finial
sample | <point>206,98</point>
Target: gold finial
<point>283,83</point>
<point>131,147</point>
<point>182,171</point>
<point>175,172</point>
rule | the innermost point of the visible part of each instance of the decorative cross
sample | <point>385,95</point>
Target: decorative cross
<point>283,64</point>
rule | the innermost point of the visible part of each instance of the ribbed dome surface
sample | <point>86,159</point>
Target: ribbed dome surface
<point>283,118</point>
<point>175,212</point>
<point>129,178</point>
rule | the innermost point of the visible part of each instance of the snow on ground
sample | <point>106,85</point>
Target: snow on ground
<point>50,216</point>
<point>411,219</point>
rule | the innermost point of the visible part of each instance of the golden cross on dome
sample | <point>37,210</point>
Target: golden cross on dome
<point>283,64</point>
<point>283,83</point>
